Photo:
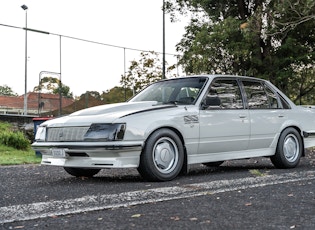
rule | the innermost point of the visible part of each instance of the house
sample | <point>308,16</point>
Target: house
<point>37,104</point>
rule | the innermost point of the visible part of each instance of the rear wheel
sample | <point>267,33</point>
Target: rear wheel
<point>289,149</point>
<point>162,157</point>
<point>81,172</point>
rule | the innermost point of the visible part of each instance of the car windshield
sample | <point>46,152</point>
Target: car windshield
<point>183,91</point>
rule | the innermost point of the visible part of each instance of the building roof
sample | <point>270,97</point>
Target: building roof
<point>35,102</point>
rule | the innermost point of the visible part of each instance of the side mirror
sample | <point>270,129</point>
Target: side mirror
<point>203,104</point>
<point>212,102</point>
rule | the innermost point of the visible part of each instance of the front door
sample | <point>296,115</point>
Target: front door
<point>224,121</point>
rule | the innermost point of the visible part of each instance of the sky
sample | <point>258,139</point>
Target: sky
<point>85,66</point>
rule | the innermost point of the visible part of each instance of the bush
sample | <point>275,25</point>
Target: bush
<point>14,139</point>
<point>4,126</point>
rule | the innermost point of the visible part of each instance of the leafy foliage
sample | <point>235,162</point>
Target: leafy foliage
<point>116,94</point>
<point>15,139</point>
<point>52,85</point>
<point>144,72</point>
<point>11,155</point>
<point>274,40</point>
<point>94,94</point>
<point>4,126</point>
<point>6,91</point>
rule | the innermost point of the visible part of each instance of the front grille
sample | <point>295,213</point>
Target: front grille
<point>66,134</point>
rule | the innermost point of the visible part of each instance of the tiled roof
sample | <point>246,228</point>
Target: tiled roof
<point>49,102</point>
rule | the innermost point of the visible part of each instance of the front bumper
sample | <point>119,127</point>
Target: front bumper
<point>90,154</point>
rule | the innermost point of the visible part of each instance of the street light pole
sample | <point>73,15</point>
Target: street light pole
<point>60,83</point>
<point>25,8</point>
<point>163,39</point>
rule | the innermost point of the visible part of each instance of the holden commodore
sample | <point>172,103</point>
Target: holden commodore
<point>177,122</point>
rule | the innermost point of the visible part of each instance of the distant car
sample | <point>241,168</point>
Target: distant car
<point>177,122</point>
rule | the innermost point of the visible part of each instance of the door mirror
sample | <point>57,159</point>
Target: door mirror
<point>211,102</point>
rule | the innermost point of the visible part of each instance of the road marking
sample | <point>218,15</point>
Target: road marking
<point>100,202</point>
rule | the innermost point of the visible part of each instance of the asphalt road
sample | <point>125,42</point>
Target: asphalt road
<point>246,194</point>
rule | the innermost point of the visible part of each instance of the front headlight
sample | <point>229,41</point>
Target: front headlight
<point>40,134</point>
<point>105,132</point>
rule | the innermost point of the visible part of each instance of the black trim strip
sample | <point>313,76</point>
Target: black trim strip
<point>112,147</point>
<point>151,109</point>
<point>306,134</point>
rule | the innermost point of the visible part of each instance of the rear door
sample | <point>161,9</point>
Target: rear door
<point>266,114</point>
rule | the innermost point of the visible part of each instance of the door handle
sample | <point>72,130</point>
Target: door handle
<point>280,115</point>
<point>242,116</point>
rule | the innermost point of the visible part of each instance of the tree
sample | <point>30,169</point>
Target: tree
<point>302,89</point>
<point>94,94</point>
<point>7,91</point>
<point>143,72</point>
<point>262,38</point>
<point>116,94</point>
<point>52,85</point>
<point>90,99</point>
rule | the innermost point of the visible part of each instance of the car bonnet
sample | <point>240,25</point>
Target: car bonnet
<point>104,113</point>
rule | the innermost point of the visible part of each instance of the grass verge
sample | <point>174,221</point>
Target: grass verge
<point>15,149</point>
<point>12,156</point>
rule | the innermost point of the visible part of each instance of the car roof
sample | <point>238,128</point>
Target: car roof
<point>212,76</point>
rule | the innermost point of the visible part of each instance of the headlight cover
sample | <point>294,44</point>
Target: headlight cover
<point>105,132</point>
<point>40,134</point>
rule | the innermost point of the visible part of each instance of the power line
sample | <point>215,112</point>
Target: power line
<point>85,40</point>
<point>16,27</point>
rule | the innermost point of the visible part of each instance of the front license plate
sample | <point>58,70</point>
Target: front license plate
<point>58,153</point>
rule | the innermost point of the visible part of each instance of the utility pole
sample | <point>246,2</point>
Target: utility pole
<point>163,40</point>
<point>25,8</point>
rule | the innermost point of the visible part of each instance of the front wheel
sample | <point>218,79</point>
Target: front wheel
<point>162,157</point>
<point>81,172</point>
<point>289,149</point>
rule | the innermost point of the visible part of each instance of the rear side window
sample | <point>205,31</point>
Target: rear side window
<point>285,104</point>
<point>272,99</point>
<point>260,96</point>
<point>256,95</point>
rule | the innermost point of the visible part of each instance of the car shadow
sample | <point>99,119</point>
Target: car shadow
<point>114,176</point>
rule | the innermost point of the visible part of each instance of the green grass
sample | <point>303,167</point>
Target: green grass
<point>12,156</point>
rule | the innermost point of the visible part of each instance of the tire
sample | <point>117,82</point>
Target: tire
<point>213,164</point>
<point>81,172</point>
<point>162,157</point>
<point>289,149</point>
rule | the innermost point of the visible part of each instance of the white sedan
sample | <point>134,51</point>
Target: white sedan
<point>177,122</point>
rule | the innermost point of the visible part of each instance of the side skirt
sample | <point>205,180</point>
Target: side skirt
<point>223,156</point>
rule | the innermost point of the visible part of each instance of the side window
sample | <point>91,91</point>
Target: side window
<point>187,95</point>
<point>224,94</point>
<point>272,99</point>
<point>160,94</point>
<point>285,104</point>
<point>256,95</point>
